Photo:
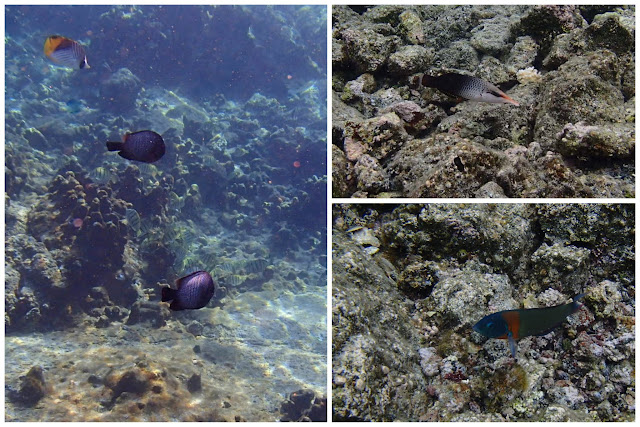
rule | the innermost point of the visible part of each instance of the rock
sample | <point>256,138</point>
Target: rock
<point>381,136</point>
<point>411,27</point>
<point>36,139</point>
<point>586,142</point>
<point>149,311</point>
<point>492,35</point>
<point>370,175</point>
<point>366,50</point>
<point>408,60</point>
<point>32,388</point>
<point>194,383</point>
<point>490,190</point>
<point>120,91</point>
<point>195,328</point>
<point>302,405</point>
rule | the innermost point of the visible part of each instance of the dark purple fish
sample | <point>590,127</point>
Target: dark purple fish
<point>194,291</point>
<point>143,146</point>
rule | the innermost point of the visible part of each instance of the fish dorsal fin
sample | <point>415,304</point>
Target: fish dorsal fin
<point>184,279</point>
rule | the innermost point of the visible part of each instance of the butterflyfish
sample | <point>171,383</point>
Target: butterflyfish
<point>516,324</point>
<point>462,86</point>
<point>67,52</point>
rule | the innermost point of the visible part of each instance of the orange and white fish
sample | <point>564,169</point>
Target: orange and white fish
<point>467,87</point>
<point>67,52</point>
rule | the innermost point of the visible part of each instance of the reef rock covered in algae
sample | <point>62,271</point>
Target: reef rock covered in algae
<point>403,347</point>
<point>571,68</point>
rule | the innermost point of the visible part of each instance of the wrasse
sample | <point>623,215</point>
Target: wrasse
<point>516,324</point>
<point>462,86</point>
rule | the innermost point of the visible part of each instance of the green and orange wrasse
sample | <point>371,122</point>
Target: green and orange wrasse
<point>463,86</point>
<point>516,324</point>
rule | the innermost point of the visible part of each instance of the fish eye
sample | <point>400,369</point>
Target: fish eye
<point>489,324</point>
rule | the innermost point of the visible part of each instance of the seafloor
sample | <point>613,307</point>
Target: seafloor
<point>571,68</point>
<point>410,281</point>
<point>241,192</point>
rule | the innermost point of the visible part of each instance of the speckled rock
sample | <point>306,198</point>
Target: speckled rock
<point>366,50</point>
<point>408,60</point>
<point>411,27</point>
<point>341,173</point>
<point>492,35</point>
<point>585,142</point>
<point>562,266</point>
<point>381,136</point>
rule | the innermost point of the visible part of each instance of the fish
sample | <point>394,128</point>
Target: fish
<point>143,146</point>
<point>458,162</point>
<point>170,233</point>
<point>67,52</point>
<point>191,265</point>
<point>516,324</point>
<point>228,267</point>
<point>100,174</point>
<point>256,265</point>
<point>174,201</point>
<point>133,219</point>
<point>236,279</point>
<point>74,106</point>
<point>463,86</point>
<point>194,291</point>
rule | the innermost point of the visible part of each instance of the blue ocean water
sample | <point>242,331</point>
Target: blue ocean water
<point>238,94</point>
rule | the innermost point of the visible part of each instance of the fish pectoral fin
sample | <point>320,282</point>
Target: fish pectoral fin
<point>512,344</point>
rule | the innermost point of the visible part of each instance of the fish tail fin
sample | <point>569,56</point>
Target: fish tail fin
<point>114,145</point>
<point>428,81</point>
<point>576,304</point>
<point>168,294</point>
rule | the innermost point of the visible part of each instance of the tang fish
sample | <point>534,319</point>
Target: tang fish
<point>516,324</point>
<point>67,52</point>
<point>142,146</point>
<point>194,291</point>
<point>467,87</point>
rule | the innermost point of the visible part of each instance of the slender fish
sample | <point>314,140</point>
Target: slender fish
<point>467,87</point>
<point>516,324</point>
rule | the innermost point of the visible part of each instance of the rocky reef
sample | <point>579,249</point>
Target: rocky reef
<point>571,68</point>
<point>410,281</point>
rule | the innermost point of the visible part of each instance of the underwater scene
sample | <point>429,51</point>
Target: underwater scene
<point>165,206</point>
<point>483,101</point>
<point>483,312</point>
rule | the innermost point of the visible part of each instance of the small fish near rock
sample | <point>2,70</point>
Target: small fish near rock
<point>516,324</point>
<point>143,146</point>
<point>463,86</point>
<point>194,291</point>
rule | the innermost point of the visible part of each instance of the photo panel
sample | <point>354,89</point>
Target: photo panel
<point>483,312</point>
<point>477,101</point>
<point>166,213</point>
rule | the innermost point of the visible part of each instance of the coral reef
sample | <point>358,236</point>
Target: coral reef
<point>403,346</point>
<point>91,238</point>
<point>570,68</point>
